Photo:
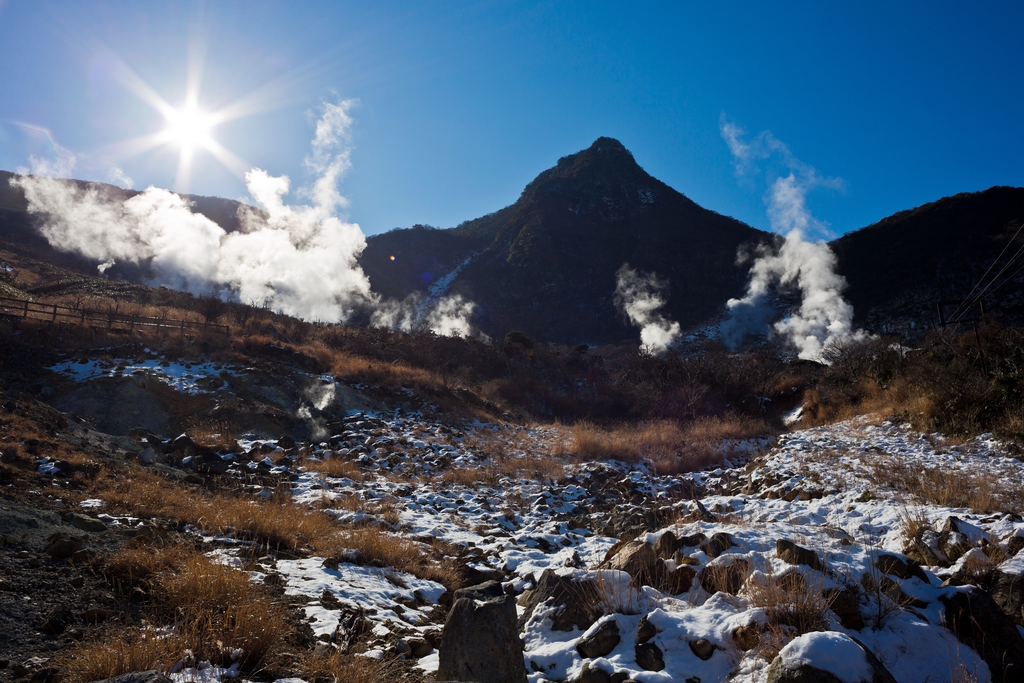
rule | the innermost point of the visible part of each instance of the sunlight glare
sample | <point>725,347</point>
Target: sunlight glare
<point>189,126</point>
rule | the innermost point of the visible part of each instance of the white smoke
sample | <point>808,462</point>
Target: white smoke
<point>823,317</point>
<point>639,297</point>
<point>300,260</point>
<point>448,316</point>
<point>59,167</point>
<point>116,175</point>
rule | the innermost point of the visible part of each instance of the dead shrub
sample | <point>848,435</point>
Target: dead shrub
<point>134,567</point>
<point>212,433</point>
<point>950,487</point>
<point>133,651</point>
<point>219,615</point>
<point>375,547</point>
<point>339,667</point>
<point>671,447</point>
<point>794,606</point>
<point>334,467</point>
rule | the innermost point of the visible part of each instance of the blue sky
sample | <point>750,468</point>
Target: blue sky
<point>461,104</point>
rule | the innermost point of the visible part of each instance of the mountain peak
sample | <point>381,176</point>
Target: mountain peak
<point>608,145</point>
<point>604,152</point>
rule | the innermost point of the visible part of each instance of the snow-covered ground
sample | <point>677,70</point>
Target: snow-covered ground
<point>838,492</point>
<point>187,378</point>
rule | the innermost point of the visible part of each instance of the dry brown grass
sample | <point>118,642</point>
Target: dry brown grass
<point>376,547</point>
<point>219,615</point>
<point>366,371</point>
<point>212,433</point>
<point>276,523</point>
<point>793,608</point>
<point>336,468</point>
<point>671,447</point>
<point>531,467</point>
<point>338,667</point>
<point>951,488</point>
<point>133,566</point>
<point>133,651</point>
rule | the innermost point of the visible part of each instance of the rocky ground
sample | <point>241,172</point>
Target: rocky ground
<point>861,542</point>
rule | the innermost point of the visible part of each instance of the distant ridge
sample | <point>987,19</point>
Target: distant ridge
<point>901,266</point>
<point>546,264</point>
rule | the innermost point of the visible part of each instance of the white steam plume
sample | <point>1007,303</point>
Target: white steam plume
<point>639,297</point>
<point>300,260</point>
<point>823,317</point>
<point>117,176</point>
<point>448,316</point>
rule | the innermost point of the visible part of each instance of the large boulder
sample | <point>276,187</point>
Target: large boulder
<point>600,642</point>
<point>636,559</point>
<point>978,622</point>
<point>926,548</point>
<point>480,641</point>
<point>1008,588</point>
<point>958,536</point>
<point>827,657</point>
<point>718,544</point>
<point>572,596</point>
<point>900,567</point>
<point>791,553</point>
<point>672,581</point>
<point>727,575</point>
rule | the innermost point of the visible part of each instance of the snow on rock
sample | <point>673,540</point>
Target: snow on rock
<point>187,378</point>
<point>385,595</point>
<point>829,651</point>
<point>821,511</point>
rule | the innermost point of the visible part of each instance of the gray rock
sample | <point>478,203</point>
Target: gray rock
<point>649,657</point>
<point>577,611</point>
<point>147,456</point>
<point>702,648</point>
<point>718,544</point>
<point>978,622</point>
<point>601,642</point>
<point>480,641</point>
<point>592,674</point>
<point>139,677</point>
<point>726,577</point>
<point>793,554</point>
<point>1008,589</point>
<point>636,559</point>
<point>808,673</point>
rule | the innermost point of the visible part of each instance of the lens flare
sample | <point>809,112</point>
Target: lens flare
<point>189,126</point>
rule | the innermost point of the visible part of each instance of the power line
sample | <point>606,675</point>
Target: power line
<point>969,302</point>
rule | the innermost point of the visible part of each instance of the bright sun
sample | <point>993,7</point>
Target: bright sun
<point>189,126</point>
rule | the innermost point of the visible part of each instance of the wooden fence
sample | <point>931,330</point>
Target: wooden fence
<point>109,319</point>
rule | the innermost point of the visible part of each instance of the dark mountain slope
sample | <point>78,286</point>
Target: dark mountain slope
<point>900,267</point>
<point>546,265</point>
